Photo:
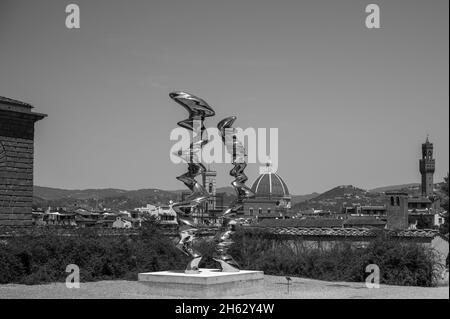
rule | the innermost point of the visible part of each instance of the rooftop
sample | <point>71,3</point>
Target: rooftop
<point>369,207</point>
<point>7,104</point>
<point>419,200</point>
<point>5,100</point>
<point>364,221</point>
<point>346,232</point>
<point>304,223</point>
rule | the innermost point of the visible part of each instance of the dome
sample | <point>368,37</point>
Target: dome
<point>270,185</point>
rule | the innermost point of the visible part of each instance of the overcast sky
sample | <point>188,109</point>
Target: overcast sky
<point>352,105</point>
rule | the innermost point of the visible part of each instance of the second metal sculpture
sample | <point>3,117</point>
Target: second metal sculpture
<point>239,160</point>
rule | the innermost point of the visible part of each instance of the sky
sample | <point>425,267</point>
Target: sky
<point>352,105</point>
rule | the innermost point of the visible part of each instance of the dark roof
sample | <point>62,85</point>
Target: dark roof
<point>396,193</point>
<point>273,214</point>
<point>364,221</point>
<point>424,211</point>
<point>419,200</point>
<point>10,105</point>
<point>380,207</point>
<point>83,212</point>
<point>6,100</point>
<point>304,223</point>
<point>110,217</point>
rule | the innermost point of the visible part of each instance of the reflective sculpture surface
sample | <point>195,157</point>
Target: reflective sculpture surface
<point>239,157</point>
<point>198,110</point>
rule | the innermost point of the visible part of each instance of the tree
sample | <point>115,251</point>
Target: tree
<point>445,190</point>
<point>424,223</point>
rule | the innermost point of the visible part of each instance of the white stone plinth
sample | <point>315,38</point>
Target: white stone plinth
<point>209,283</point>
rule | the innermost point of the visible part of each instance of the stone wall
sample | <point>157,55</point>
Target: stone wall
<point>16,181</point>
<point>16,164</point>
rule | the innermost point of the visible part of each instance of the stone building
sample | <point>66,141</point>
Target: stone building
<point>404,211</point>
<point>16,161</point>
<point>397,210</point>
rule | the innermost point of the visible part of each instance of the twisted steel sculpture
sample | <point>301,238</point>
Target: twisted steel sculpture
<point>234,147</point>
<point>198,110</point>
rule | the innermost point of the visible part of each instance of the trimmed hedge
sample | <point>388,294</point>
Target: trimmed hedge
<point>399,263</point>
<point>42,259</point>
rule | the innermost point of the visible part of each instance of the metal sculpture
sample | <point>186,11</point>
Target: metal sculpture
<point>198,110</point>
<point>239,157</point>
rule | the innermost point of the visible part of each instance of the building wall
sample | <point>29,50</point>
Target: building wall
<point>427,184</point>
<point>397,211</point>
<point>256,205</point>
<point>16,168</point>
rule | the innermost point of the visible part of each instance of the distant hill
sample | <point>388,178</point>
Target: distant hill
<point>338,197</point>
<point>48,193</point>
<point>411,186</point>
<point>124,199</point>
<point>99,198</point>
<point>302,198</point>
<point>333,199</point>
<point>112,198</point>
<point>341,191</point>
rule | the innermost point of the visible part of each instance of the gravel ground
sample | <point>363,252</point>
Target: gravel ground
<point>274,288</point>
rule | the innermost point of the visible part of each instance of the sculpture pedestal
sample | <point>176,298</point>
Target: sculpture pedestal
<point>209,283</point>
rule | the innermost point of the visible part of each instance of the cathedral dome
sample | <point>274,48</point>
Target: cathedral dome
<point>270,185</point>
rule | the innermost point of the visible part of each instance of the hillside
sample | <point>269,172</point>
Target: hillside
<point>302,198</point>
<point>48,193</point>
<point>341,191</point>
<point>333,199</point>
<point>111,198</point>
<point>410,187</point>
<point>338,197</point>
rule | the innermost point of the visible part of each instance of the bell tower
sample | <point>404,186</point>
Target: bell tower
<point>209,183</point>
<point>427,167</point>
